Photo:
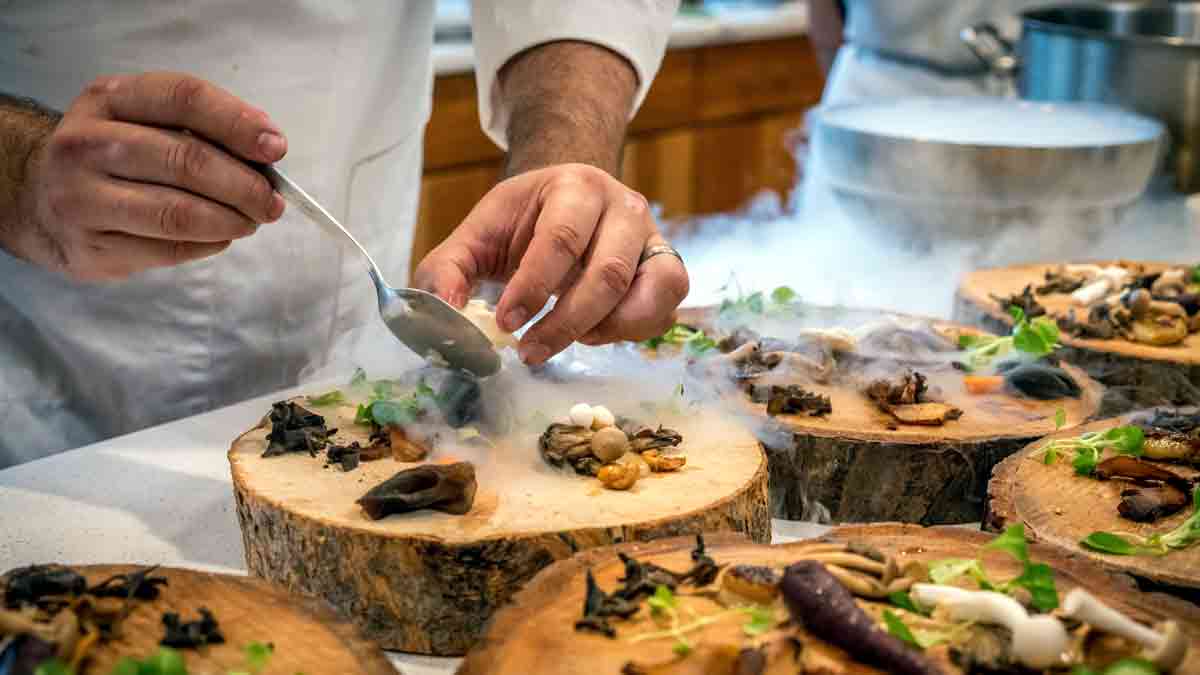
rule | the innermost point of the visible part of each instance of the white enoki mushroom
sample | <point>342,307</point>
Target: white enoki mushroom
<point>1037,641</point>
<point>581,415</point>
<point>1165,649</point>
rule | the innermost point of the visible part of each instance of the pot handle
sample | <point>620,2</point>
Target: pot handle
<point>993,49</point>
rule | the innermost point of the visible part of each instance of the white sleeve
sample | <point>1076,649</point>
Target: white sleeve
<point>501,29</point>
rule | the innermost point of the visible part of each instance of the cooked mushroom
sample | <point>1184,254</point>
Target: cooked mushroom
<point>405,449</point>
<point>1148,504</point>
<point>755,583</point>
<point>619,475</point>
<point>449,488</point>
<point>794,399</point>
<point>1170,282</point>
<point>794,362</point>
<point>609,444</point>
<point>660,463</point>
<point>1141,472</point>
<point>581,415</point>
<point>1166,647</point>
<point>1160,330</point>
<point>602,417</point>
<point>1037,641</point>
<point>924,414</point>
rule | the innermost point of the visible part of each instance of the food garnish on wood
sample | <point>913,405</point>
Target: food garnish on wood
<point>447,488</point>
<point>906,399</point>
<point>596,443</point>
<point>797,614</point>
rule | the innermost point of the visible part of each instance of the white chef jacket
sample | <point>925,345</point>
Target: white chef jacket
<point>349,82</point>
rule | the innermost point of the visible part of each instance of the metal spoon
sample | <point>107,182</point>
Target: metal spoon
<point>421,320</point>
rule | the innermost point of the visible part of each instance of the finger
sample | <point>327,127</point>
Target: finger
<point>160,212</point>
<point>171,158</point>
<point>607,276</point>
<point>570,211</point>
<point>648,310</point>
<point>118,255</point>
<point>182,101</point>
<point>449,272</point>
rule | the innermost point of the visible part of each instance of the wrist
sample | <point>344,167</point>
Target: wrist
<point>24,129</point>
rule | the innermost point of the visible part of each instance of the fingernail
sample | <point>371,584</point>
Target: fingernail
<point>515,318</point>
<point>277,206</point>
<point>271,145</point>
<point>533,352</point>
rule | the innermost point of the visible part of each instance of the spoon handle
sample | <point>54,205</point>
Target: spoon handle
<point>297,197</point>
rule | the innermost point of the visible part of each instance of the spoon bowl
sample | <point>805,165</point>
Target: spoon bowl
<point>425,323</point>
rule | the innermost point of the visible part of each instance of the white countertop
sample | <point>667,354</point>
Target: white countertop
<point>162,495</point>
<point>718,26</point>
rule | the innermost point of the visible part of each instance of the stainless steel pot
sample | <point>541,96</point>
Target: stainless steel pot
<point>1142,56</point>
<point>928,169</point>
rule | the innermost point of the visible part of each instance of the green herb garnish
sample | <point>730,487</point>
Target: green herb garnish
<point>359,378</point>
<point>1122,667</point>
<point>1036,338</point>
<point>692,340</point>
<point>1183,536</point>
<point>897,628</point>
<point>328,398</point>
<point>761,621</point>
<point>903,600</point>
<point>1088,448</point>
<point>1036,578</point>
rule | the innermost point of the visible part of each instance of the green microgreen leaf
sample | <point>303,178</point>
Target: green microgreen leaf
<point>1012,541</point>
<point>761,621</point>
<point>328,398</point>
<point>897,628</point>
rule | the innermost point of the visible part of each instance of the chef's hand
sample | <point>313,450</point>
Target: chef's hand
<point>146,171</point>
<point>569,230</point>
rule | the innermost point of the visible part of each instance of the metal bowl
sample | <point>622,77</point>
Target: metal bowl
<point>937,168</point>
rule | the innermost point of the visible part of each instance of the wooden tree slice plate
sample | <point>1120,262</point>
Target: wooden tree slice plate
<point>534,635</point>
<point>427,582</point>
<point>1137,375</point>
<point>1060,508</point>
<point>856,465</point>
<point>307,635</point>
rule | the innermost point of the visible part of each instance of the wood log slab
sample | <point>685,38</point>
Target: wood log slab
<point>1136,375</point>
<point>427,582</point>
<point>857,465</point>
<point>1059,509</point>
<point>307,635</point>
<point>534,635</point>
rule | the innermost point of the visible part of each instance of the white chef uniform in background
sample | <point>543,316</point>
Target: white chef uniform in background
<point>349,83</point>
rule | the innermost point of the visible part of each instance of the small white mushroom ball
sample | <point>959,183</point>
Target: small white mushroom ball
<point>582,415</point>
<point>602,417</point>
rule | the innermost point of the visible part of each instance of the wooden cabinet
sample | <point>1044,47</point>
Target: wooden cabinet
<point>710,135</point>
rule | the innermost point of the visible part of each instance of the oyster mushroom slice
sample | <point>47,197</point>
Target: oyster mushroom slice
<point>449,488</point>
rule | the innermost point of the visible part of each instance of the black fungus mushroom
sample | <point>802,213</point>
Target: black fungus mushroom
<point>1025,300</point>
<point>296,429</point>
<point>792,399</point>
<point>817,601</point>
<point>449,488</point>
<point>1148,504</point>
<point>191,634</point>
<point>28,585</point>
<point>139,585</point>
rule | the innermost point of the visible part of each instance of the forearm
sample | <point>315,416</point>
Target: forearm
<point>568,102</point>
<point>825,31</point>
<point>24,126</point>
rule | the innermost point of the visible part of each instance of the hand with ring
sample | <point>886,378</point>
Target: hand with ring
<point>572,231</point>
